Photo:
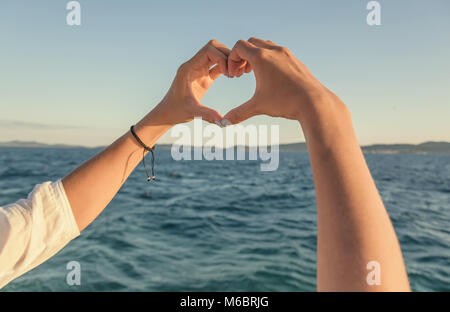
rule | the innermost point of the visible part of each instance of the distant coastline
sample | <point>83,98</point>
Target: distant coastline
<point>423,148</point>
<point>35,144</point>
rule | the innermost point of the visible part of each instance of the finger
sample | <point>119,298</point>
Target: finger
<point>248,68</point>
<point>226,51</point>
<point>220,46</point>
<point>241,71</point>
<point>244,68</point>
<point>216,56</point>
<point>211,54</point>
<point>262,43</point>
<point>208,114</point>
<point>215,72</point>
<point>242,51</point>
<point>240,113</point>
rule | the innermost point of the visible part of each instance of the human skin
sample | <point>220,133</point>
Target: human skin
<point>92,186</point>
<point>353,225</point>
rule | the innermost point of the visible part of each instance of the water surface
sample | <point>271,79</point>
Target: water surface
<point>227,226</point>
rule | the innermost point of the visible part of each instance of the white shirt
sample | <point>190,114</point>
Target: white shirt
<point>32,230</point>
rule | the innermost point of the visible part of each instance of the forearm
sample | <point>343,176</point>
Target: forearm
<point>353,225</point>
<point>92,186</point>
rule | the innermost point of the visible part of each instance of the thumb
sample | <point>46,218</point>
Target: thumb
<point>243,53</point>
<point>240,113</point>
<point>208,114</point>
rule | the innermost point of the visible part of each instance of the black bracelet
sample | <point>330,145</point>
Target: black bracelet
<point>146,148</point>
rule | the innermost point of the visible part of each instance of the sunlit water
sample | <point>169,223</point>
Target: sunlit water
<point>227,226</point>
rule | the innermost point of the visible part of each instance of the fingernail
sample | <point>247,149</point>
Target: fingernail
<point>219,124</point>
<point>225,122</point>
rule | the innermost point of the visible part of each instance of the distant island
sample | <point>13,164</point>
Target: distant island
<point>36,144</point>
<point>423,148</point>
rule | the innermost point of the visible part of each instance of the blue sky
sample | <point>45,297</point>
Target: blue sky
<point>86,84</point>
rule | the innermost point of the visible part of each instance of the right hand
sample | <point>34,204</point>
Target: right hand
<point>182,102</point>
<point>284,85</point>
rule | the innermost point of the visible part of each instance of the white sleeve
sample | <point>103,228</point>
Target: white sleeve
<point>35,229</point>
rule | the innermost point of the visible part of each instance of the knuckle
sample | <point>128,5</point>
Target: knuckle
<point>260,53</point>
<point>212,42</point>
<point>240,42</point>
<point>283,50</point>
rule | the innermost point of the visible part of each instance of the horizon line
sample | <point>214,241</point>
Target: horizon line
<point>42,144</point>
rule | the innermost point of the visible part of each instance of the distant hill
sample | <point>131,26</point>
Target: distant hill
<point>294,147</point>
<point>423,148</point>
<point>35,144</point>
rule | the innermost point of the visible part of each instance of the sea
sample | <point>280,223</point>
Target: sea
<point>227,225</point>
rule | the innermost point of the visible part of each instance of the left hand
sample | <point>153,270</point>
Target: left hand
<point>182,101</point>
<point>284,85</point>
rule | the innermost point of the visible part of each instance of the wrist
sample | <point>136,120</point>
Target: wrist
<point>322,111</point>
<point>159,116</point>
<point>152,126</point>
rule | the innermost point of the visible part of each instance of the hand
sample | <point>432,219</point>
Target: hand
<point>284,86</point>
<point>182,101</point>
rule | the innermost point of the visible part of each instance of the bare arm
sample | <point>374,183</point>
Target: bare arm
<point>92,186</point>
<point>353,225</point>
